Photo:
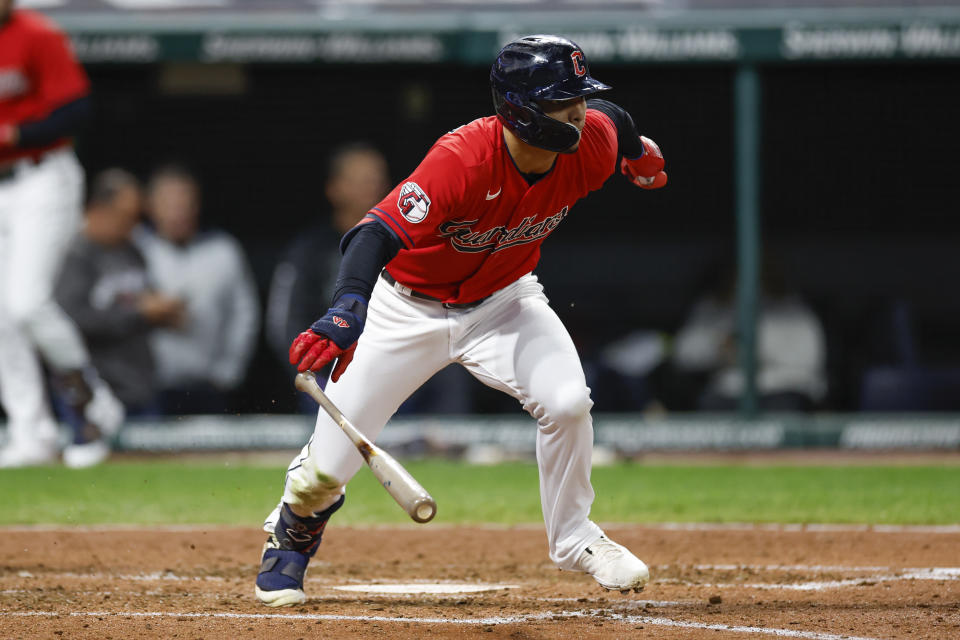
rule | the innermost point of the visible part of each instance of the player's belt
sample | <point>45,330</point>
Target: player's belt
<point>416,294</point>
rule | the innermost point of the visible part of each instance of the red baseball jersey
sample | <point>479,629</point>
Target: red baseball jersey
<point>38,73</point>
<point>470,223</point>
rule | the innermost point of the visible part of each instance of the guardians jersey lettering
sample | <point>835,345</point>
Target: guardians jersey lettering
<point>464,238</point>
<point>470,224</point>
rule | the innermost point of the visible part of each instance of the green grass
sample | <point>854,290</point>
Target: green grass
<point>150,492</point>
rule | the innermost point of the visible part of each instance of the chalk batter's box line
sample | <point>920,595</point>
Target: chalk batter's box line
<point>494,620</point>
<point>939,574</point>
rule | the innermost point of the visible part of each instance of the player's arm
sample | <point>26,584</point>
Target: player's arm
<point>641,160</point>
<point>63,122</point>
<point>408,214</point>
<point>62,91</point>
<point>367,248</point>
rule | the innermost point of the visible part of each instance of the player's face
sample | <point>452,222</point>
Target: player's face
<point>6,6</point>
<point>110,222</point>
<point>360,183</point>
<point>174,208</point>
<point>126,208</point>
<point>573,111</point>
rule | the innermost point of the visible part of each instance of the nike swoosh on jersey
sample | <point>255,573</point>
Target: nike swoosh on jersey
<point>491,196</point>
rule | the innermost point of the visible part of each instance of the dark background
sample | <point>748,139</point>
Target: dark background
<point>858,205</point>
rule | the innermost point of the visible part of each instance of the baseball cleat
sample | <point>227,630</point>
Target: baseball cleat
<point>280,581</point>
<point>287,553</point>
<point>613,566</point>
<point>103,415</point>
<point>21,454</point>
<point>88,454</point>
<point>104,410</point>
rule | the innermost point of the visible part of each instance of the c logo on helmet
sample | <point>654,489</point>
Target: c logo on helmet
<point>413,202</point>
<point>578,67</point>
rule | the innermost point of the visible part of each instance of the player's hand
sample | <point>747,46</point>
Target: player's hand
<point>9,136</point>
<point>646,170</point>
<point>161,310</point>
<point>332,336</point>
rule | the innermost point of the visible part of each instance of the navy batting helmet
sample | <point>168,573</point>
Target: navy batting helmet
<point>540,68</point>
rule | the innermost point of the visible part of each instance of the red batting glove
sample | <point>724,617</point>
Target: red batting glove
<point>645,171</point>
<point>343,360</point>
<point>312,350</point>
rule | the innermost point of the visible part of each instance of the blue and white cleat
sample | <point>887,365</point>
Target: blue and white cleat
<point>280,581</point>
<point>286,555</point>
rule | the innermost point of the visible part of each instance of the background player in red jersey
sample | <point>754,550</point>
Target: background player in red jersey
<point>43,101</point>
<point>440,272</point>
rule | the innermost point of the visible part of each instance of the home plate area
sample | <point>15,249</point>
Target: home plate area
<point>424,588</point>
<point>818,583</point>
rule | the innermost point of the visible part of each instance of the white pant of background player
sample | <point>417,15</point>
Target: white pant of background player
<point>40,212</point>
<point>513,342</point>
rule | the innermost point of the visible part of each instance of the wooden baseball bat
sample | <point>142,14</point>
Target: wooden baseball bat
<point>398,482</point>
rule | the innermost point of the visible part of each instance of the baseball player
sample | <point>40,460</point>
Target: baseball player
<point>43,101</point>
<point>440,272</point>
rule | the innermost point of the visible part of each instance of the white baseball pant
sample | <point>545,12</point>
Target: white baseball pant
<point>513,342</point>
<point>40,212</point>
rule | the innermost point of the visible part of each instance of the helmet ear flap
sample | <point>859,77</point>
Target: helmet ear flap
<point>526,111</point>
<point>513,110</point>
<point>514,99</point>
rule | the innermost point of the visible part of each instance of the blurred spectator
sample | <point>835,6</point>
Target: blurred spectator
<point>104,287</point>
<point>619,376</point>
<point>44,102</point>
<point>790,350</point>
<point>200,362</point>
<point>902,379</point>
<point>303,281</point>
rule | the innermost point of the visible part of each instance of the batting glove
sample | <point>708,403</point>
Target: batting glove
<point>646,170</point>
<point>334,336</point>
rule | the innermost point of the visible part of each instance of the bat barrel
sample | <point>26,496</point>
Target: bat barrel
<point>423,509</point>
<point>398,482</point>
<point>409,494</point>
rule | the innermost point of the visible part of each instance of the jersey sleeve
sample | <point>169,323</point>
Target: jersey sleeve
<point>628,139</point>
<point>55,72</point>
<point>415,208</point>
<point>598,144</point>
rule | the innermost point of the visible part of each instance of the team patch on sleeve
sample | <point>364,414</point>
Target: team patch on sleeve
<point>413,202</point>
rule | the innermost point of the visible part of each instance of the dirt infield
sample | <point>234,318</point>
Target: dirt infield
<point>711,582</point>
